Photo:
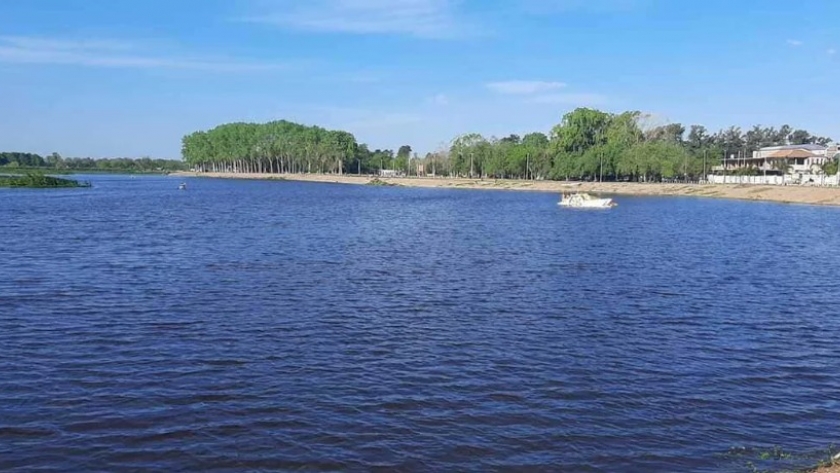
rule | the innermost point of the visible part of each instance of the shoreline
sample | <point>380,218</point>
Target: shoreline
<point>811,195</point>
<point>835,468</point>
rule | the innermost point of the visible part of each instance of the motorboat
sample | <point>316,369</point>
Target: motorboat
<point>585,201</point>
<point>182,186</point>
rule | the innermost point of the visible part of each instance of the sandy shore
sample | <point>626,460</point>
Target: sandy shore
<point>786,194</point>
<point>828,469</point>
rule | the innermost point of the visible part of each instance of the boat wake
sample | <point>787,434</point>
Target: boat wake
<point>583,200</point>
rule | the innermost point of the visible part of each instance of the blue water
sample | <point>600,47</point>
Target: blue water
<point>253,326</point>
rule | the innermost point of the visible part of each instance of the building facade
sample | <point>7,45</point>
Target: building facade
<point>794,158</point>
<point>786,159</point>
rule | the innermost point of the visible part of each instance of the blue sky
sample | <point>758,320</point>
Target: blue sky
<point>130,77</point>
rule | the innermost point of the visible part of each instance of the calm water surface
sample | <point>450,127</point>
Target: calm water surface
<point>255,326</point>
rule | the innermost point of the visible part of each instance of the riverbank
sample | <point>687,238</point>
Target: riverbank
<point>828,469</point>
<point>38,181</point>
<point>65,171</point>
<point>784,194</point>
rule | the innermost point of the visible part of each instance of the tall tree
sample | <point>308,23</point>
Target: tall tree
<point>800,137</point>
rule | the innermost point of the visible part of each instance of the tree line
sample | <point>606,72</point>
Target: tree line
<point>54,161</point>
<point>586,144</point>
<point>274,147</point>
<point>591,144</point>
<point>286,147</point>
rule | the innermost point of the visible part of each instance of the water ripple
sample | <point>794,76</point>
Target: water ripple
<point>250,326</point>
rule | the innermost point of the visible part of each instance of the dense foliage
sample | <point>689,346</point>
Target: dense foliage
<point>279,146</point>
<point>37,180</point>
<point>590,144</point>
<point>56,162</point>
<point>586,144</point>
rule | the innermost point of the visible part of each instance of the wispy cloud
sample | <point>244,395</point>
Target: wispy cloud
<point>432,19</point>
<point>29,42</point>
<point>524,87</point>
<point>440,100</point>
<point>574,99</point>
<point>110,53</point>
<point>795,42</point>
<point>542,7</point>
<point>545,92</point>
<point>831,52</point>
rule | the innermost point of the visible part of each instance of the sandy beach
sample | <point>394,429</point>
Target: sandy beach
<point>786,194</point>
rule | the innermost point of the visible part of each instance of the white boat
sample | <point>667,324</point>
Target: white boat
<point>585,201</point>
<point>182,186</point>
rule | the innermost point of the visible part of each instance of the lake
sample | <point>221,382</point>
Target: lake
<point>251,326</point>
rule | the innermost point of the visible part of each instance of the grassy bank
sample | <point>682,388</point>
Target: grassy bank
<point>39,181</point>
<point>64,171</point>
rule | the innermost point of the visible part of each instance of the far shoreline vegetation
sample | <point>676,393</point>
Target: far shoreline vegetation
<point>56,164</point>
<point>33,180</point>
<point>587,144</point>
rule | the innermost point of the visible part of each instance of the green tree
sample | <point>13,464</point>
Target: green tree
<point>537,155</point>
<point>800,137</point>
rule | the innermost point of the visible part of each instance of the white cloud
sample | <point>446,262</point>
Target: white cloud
<point>574,99</point>
<point>524,87</point>
<point>29,42</point>
<point>435,19</point>
<point>109,53</point>
<point>546,92</point>
<point>795,42</point>
<point>440,99</point>
<point>542,7</point>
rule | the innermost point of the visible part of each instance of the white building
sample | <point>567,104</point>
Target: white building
<point>794,159</point>
<point>798,158</point>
